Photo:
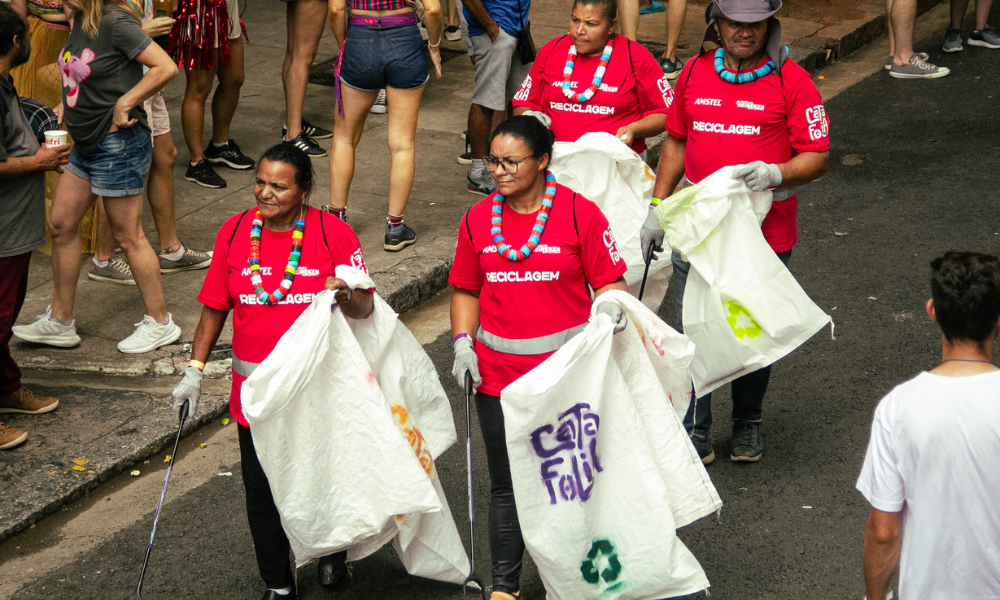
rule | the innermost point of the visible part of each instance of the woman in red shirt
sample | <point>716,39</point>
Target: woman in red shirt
<point>524,300</point>
<point>282,237</point>
<point>593,80</point>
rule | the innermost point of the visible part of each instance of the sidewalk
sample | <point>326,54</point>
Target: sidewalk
<point>818,31</point>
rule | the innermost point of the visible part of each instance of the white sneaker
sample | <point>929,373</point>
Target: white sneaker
<point>380,107</point>
<point>150,335</point>
<point>49,331</point>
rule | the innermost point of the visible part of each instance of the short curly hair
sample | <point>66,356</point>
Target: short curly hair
<point>965,287</point>
<point>11,26</point>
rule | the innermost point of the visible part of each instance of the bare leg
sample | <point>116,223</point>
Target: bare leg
<point>983,8</point>
<point>346,135</point>
<point>125,217</point>
<point>403,107</point>
<point>199,86</point>
<point>480,124</point>
<point>888,24</point>
<point>958,9</point>
<point>305,22</point>
<point>71,202</point>
<point>628,18</point>
<point>676,11</point>
<point>160,192</point>
<point>227,94</point>
<point>904,15</point>
<point>105,242</point>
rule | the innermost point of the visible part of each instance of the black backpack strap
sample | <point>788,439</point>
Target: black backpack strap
<point>322,226</point>
<point>575,228</point>
<point>237,227</point>
<point>469,230</point>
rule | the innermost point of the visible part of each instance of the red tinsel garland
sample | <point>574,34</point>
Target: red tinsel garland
<point>200,38</point>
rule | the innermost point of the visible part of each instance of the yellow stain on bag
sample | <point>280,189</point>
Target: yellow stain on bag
<point>414,437</point>
<point>740,320</point>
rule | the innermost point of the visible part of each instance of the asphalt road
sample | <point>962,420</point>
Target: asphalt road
<point>913,174</point>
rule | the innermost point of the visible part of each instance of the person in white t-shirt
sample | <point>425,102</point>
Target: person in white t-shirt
<point>930,471</point>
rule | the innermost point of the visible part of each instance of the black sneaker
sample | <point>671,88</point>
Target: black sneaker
<point>307,145</point>
<point>747,445</point>
<point>316,133</point>
<point>229,155</point>
<point>398,237</point>
<point>702,445</point>
<point>465,158</point>
<point>204,175</point>
<point>671,68</point>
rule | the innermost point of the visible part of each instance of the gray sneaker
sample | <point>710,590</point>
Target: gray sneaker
<point>923,56</point>
<point>482,185</point>
<point>116,271</point>
<point>917,69</point>
<point>952,40</point>
<point>986,38</point>
<point>747,444</point>
<point>49,331</point>
<point>191,260</point>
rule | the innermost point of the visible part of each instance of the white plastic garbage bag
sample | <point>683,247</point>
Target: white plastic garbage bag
<point>603,471</point>
<point>348,418</point>
<point>603,169</point>
<point>428,543</point>
<point>743,309</point>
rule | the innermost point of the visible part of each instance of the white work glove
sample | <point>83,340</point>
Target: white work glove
<point>651,233</point>
<point>189,389</point>
<point>759,176</point>
<point>466,362</point>
<point>616,312</point>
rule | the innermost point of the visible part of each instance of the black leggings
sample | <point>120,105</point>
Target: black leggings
<point>506,543</point>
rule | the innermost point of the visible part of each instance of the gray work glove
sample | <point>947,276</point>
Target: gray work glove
<point>616,312</point>
<point>188,389</point>
<point>466,362</point>
<point>651,233</point>
<point>759,175</point>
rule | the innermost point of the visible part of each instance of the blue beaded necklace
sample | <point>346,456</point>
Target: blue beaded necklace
<point>720,68</point>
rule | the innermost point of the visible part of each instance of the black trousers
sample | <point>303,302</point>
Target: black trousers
<point>506,543</point>
<point>269,539</point>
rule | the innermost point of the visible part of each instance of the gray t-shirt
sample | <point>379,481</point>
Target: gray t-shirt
<point>97,73</point>
<point>22,200</point>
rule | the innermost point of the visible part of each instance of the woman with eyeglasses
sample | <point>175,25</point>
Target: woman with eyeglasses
<point>531,257</point>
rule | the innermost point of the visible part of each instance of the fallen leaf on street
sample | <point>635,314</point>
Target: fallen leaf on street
<point>225,421</point>
<point>135,473</point>
<point>167,459</point>
<point>79,468</point>
<point>202,446</point>
<point>80,461</point>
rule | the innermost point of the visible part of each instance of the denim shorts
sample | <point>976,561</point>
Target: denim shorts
<point>118,166</point>
<point>380,57</point>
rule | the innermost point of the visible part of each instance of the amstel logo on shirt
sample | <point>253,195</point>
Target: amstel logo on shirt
<point>266,271</point>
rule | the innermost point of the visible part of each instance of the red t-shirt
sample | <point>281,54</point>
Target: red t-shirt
<point>633,88</point>
<point>771,119</point>
<point>548,292</point>
<point>258,327</point>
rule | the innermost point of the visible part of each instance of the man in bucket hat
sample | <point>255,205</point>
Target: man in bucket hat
<point>744,103</point>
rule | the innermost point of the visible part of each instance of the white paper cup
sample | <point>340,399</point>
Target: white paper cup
<point>54,138</point>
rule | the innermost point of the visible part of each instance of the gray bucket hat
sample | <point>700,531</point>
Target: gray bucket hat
<point>748,11</point>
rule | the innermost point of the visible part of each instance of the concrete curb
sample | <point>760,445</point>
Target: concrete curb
<point>41,494</point>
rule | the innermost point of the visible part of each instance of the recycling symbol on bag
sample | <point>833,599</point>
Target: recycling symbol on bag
<point>740,320</point>
<point>602,564</point>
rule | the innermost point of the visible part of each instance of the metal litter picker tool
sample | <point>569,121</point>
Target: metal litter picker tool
<point>645,272</point>
<point>473,580</point>
<point>137,595</point>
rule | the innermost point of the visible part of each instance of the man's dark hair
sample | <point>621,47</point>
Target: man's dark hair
<point>537,137</point>
<point>290,155</point>
<point>11,26</point>
<point>965,287</point>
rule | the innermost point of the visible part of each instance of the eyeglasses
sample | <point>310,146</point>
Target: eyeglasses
<point>509,165</point>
